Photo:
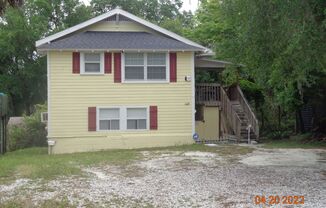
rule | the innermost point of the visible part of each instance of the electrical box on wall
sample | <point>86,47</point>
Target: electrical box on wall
<point>188,78</point>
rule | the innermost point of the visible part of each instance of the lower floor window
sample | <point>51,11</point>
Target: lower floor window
<point>136,118</point>
<point>122,118</point>
<point>109,119</point>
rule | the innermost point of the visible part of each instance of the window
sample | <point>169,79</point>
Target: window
<point>156,66</point>
<point>136,118</point>
<point>109,119</point>
<point>122,118</point>
<point>92,63</point>
<point>134,66</point>
<point>145,66</point>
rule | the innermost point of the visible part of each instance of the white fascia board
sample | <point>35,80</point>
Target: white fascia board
<point>126,14</point>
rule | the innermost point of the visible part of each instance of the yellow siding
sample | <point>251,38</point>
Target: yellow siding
<point>209,129</point>
<point>71,95</point>
<point>123,26</point>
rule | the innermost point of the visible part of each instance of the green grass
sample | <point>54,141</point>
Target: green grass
<point>23,203</point>
<point>35,163</point>
<point>297,141</point>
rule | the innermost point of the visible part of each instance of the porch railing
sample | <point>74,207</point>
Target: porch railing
<point>208,94</point>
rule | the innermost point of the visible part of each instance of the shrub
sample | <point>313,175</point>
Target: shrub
<point>29,134</point>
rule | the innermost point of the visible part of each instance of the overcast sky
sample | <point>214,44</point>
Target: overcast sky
<point>187,4</point>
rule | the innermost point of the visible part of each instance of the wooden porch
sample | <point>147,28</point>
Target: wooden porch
<point>237,119</point>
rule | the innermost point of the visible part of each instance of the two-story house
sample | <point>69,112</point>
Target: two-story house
<point>118,81</point>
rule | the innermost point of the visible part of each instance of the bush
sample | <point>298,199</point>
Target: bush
<point>29,134</point>
<point>279,134</point>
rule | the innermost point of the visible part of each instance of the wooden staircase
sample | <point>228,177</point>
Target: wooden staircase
<point>235,111</point>
<point>237,116</point>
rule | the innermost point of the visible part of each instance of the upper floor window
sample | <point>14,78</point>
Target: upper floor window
<point>92,63</point>
<point>145,66</point>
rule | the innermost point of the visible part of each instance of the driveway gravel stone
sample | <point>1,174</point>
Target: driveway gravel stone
<point>187,179</point>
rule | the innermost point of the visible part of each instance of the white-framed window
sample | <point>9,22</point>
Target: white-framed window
<point>136,118</point>
<point>109,119</point>
<point>145,67</point>
<point>92,63</point>
<point>122,118</point>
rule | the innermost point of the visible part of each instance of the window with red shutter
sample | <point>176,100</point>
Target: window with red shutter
<point>91,118</point>
<point>153,117</point>
<point>173,67</point>
<point>117,67</point>
<point>75,63</point>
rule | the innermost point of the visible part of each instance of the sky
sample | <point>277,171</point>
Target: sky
<point>187,4</point>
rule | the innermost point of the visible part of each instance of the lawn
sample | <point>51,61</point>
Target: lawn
<point>297,141</point>
<point>36,163</point>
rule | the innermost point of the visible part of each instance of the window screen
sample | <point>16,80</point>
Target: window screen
<point>145,66</point>
<point>156,66</point>
<point>136,118</point>
<point>92,62</point>
<point>109,119</point>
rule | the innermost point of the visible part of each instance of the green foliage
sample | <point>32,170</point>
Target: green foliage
<point>297,141</point>
<point>252,91</point>
<point>152,10</point>
<point>281,45</point>
<point>279,134</point>
<point>207,77</point>
<point>29,134</point>
<point>22,70</point>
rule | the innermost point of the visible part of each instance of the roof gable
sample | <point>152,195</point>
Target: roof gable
<point>109,15</point>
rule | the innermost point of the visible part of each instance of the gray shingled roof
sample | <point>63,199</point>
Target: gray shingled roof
<point>118,40</point>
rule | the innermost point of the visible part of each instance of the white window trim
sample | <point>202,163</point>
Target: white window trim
<point>98,118</point>
<point>147,119</point>
<point>123,118</point>
<point>82,65</point>
<point>167,72</point>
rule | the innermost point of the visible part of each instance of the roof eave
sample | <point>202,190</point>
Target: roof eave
<point>118,49</point>
<point>127,14</point>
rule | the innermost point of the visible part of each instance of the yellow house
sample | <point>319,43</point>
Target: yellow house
<point>118,81</point>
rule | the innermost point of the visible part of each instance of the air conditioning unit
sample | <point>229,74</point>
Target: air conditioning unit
<point>44,117</point>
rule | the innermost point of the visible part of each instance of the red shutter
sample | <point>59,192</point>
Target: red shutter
<point>107,63</point>
<point>75,63</point>
<point>173,67</point>
<point>153,117</point>
<point>91,118</point>
<point>117,67</point>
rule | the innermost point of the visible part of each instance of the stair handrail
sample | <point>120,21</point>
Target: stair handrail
<point>230,113</point>
<point>252,120</point>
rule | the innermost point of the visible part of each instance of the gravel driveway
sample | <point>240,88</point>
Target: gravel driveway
<point>186,179</point>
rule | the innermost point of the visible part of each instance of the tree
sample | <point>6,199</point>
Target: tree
<point>12,3</point>
<point>151,10</point>
<point>281,43</point>
<point>22,69</point>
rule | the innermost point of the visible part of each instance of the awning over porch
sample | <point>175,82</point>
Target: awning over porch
<point>203,63</point>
